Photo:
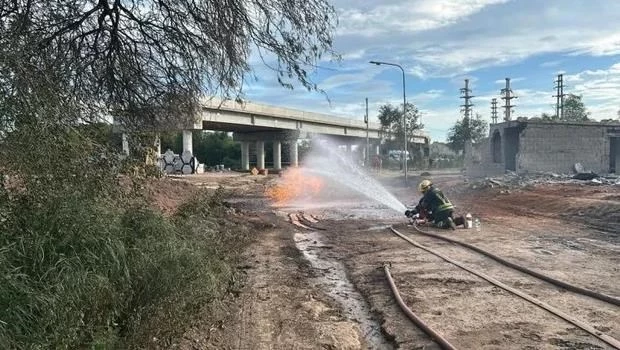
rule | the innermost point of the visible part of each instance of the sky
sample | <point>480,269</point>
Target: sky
<point>439,43</point>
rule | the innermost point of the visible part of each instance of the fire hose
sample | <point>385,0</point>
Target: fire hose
<point>562,284</point>
<point>438,338</point>
<point>586,327</point>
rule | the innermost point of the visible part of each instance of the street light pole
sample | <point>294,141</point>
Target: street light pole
<point>378,63</point>
<point>367,160</point>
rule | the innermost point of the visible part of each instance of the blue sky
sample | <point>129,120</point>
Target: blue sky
<point>442,42</point>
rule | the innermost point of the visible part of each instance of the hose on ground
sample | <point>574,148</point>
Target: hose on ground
<point>561,284</point>
<point>586,327</point>
<point>438,338</point>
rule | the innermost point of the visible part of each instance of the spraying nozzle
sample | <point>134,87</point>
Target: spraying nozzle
<point>411,213</point>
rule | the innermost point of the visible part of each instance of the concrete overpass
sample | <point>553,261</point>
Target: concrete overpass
<point>249,117</point>
<point>253,123</point>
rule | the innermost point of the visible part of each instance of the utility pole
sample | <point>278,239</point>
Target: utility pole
<point>494,110</point>
<point>507,96</point>
<point>366,161</point>
<point>559,95</point>
<point>465,94</point>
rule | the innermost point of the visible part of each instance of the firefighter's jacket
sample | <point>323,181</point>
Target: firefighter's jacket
<point>435,201</point>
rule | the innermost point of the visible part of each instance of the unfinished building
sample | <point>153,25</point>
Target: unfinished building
<point>535,146</point>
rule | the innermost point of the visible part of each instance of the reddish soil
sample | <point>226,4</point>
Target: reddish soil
<point>291,300</point>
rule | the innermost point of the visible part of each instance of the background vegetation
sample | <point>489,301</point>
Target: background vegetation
<point>85,260</point>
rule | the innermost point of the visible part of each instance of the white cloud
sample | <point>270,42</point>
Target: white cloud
<point>346,79</point>
<point>406,16</point>
<point>551,64</point>
<point>456,39</point>
<point>512,80</point>
<point>417,71</point>
<point>426,96</point>
<point>602,46</point>
<point>599,89</point>
<point>451,37</point>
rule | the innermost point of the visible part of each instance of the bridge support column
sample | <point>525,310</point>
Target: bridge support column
<point>125,144</point>
<point>365,155</point>
<point>187,141</point>
<point>294,153</point>
<point>245,155</point>
<point>260,154</point>
<point>158,145</point>
<point>277,154</point>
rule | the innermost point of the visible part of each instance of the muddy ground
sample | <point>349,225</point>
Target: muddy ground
<point>323,286</point>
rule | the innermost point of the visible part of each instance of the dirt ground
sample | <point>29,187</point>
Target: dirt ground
<point>322,286</point>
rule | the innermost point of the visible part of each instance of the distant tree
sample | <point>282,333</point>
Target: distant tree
<point>619,114</point>
<point>549,117</point>
<point>391,119</point>
<point>574,109</point>
<point>464,129</point>
<point>212,148</point>
<point>303,148</point>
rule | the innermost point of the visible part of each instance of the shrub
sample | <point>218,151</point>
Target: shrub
<point>86,261</point>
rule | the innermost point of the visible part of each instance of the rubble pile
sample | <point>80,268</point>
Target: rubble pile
<point>511,180</point>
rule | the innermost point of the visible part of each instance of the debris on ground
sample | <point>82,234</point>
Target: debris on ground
<point>585,176</point>
<point>578,168</point>
<point>511,180</point>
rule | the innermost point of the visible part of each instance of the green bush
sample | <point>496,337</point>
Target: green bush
<point>86,262</point>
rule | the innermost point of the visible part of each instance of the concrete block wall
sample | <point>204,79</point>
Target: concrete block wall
<point>557,147</point>
<point>480,161</point>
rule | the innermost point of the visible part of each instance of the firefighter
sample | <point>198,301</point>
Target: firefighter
<point>436,207</point>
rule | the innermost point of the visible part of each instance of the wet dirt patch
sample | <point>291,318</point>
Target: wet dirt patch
<point>567,344</point>
<point>334,281</point>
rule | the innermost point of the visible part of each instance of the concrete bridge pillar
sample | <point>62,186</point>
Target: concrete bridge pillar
<point>245,155</point>
<point>158,145</point>
<point>187,141</point>
<point>260,154</point>
<point>294,154</point>
<point>365,156</point>
<point>125,144</point>
<point>277,154</point>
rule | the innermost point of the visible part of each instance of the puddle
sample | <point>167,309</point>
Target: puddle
<point>335,283</point>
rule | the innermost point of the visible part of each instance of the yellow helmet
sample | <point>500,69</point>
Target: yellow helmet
<point>424,185</point>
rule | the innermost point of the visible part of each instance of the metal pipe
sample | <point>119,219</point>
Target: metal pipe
<point>438,338</point>
<point>367,120</point>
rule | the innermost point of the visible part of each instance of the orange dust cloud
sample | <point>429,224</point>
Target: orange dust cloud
<point>294,184</point>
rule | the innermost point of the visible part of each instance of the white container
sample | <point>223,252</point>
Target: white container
<point>468,221</point>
